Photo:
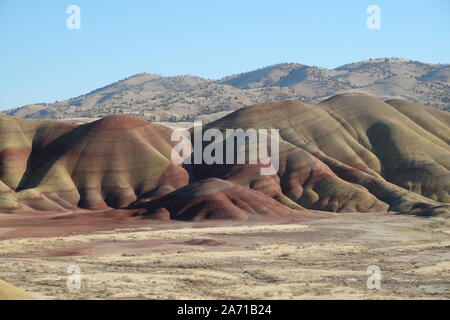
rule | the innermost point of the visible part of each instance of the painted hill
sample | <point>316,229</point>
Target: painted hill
<point>8,292</point>
<point>331,150</point>
<point>350,153</point>
<point>185,98</point>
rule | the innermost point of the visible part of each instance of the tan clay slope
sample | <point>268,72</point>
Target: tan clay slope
<point>19,138</point>
<point>431,119</point>
<point>112,163</point>
<point>8,292</point>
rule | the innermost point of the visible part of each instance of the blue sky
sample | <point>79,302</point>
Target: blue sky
<point>43,61</point>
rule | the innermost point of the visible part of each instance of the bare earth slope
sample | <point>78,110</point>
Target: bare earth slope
<point>350,153</point>
<point>316,259</point>
<point>184,98</point>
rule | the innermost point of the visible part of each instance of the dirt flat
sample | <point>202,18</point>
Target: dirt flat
<point>315,259</point>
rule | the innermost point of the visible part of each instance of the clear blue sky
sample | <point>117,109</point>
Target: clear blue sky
<point>42,61</point>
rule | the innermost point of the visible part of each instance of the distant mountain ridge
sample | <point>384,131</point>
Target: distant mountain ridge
<point>185,98</point>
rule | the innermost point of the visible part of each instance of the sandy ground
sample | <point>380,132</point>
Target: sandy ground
<point>319,259</point>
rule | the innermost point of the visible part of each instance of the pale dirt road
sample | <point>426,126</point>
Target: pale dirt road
<point>321,259</point>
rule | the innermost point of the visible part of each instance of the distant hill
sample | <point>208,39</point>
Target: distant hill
<point>185,98</point>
